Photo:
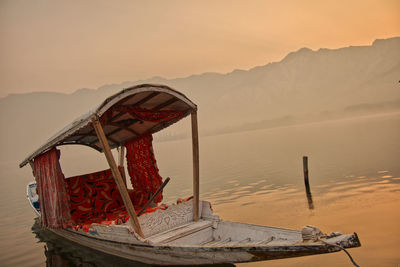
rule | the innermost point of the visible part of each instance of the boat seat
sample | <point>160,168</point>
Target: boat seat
<point>93,195</point>
<point>176,215</point>
<point>179,231</point>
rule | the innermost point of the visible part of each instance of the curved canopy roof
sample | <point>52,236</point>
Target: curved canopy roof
<point>135,111</point>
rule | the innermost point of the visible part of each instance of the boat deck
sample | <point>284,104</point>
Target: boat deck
<point>180,232</point>
<point>210,233</point>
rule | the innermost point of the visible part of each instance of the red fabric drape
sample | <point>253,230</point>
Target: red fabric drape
<point>152,115</point>
<point>142,168</point>
<point>95,198</point>
<point>53,197</point>
<point>93,195</point>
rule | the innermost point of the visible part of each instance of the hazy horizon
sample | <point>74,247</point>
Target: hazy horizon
<point>273,81</point>
<point>65,46</point>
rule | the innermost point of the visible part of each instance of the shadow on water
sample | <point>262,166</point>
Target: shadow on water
<point>61,252</point>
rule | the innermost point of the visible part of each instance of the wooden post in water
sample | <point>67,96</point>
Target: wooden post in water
<point>305,170</point>
<point>307,183</point>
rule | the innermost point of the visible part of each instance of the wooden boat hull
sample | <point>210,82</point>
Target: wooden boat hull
<point>197,255</point>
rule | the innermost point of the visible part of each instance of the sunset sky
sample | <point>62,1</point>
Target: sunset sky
<point>62,46</point>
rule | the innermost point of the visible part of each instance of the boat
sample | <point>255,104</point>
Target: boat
<point>33,197</point>
<point>100,211</point>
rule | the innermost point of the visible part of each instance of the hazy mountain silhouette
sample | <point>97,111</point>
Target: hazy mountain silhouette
<point>304,82</point>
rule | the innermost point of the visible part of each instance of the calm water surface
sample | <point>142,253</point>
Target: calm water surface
<point>254,177</point>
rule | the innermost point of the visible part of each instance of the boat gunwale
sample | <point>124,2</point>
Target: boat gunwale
<point>191,256</point>
<point>197,248</point>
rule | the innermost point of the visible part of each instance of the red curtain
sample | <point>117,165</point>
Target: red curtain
<point>53,197</point>
<point>142,168</point>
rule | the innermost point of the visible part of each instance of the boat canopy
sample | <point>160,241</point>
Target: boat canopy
<point>129,114</point>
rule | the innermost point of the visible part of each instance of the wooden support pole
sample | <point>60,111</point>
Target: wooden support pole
<point>121,161</point>
<point>154,196</point>
<point>118,178</point>
<point>196,167</point>
<point>121,156</point>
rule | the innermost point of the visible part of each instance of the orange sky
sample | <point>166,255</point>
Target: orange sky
<point>61,46</point>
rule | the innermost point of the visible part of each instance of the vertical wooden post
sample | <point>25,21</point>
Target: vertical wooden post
<point>307,183</point>
<point>121,156</point>
<point>305,170</point>
<point>196,167</point>
<point>117,176</point>
<point>121,161</point>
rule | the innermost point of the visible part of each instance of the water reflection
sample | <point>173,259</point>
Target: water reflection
<point>61,252</point>
<point>309,198</point>
<point>244,195</point>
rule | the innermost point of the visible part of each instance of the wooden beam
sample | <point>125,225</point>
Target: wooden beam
<point>97,148</point>
<point>108,136</point>
<point>118,178</point>
<point>126,128</point>
<point>196,169</point>
<point>121,161</point>
<point>121,156</point>
<point>137,104</point>
<point>166,103</point>
<point>140,102</point>
<point>147,98</point>
<point>154,196</point>
<point>113,140</point>
<point>92,134</point>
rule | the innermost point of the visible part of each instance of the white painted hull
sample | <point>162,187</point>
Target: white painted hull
<point>207,254</point>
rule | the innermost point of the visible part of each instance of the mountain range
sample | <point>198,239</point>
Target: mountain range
<point>304,84</point>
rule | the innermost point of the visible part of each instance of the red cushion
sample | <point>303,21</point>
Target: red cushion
<point>92,195</point>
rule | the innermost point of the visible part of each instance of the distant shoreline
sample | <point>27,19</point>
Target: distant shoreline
<point>287,121</point>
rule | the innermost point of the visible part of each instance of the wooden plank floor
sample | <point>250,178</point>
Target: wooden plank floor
<point>180,231</point>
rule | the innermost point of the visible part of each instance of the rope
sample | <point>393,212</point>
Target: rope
<point>342,248</point>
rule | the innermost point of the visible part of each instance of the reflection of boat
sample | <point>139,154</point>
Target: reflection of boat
<point>62,252</point>
<point>98,211</point>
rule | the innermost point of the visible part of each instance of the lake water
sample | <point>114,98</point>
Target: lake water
<point>254,177</point>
